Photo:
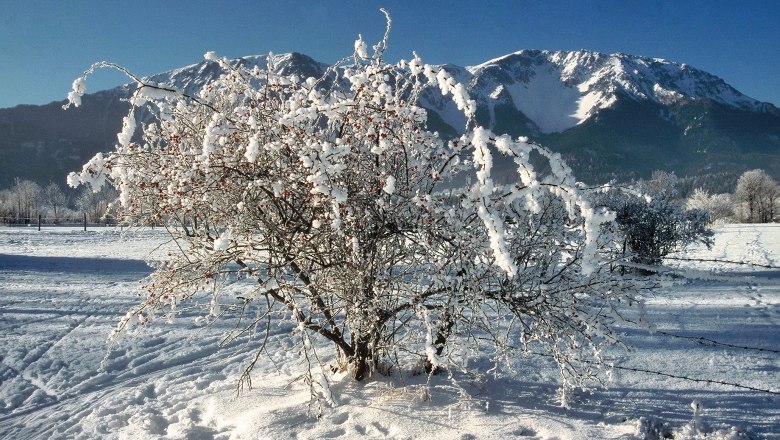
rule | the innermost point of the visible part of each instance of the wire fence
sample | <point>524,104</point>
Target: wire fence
<point>47,222</point>
<point>663,374</point>
<point>707,341</point>
<point>698,339</point>
<point>701,340</point>
<point>717,260</point>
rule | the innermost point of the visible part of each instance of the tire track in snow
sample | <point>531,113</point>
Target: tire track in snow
<point>40,382</point>
<point>92,395</point>
<point>16,373</point>
<point>43,353</point>
<point>27,362</point>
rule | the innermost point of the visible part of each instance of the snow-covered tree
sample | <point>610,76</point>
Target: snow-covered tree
<point>661,186</point>
<point>55,199</point>
<point>331,193</point>
<point>6,213</point>
<point>758,193</point>
<point>24,200</point>
<point>699,199</point>
<point>719,206</point>
<point>96,203</point>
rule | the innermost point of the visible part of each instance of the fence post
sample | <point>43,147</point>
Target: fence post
<point>85,222</point>
<point>39,222</point>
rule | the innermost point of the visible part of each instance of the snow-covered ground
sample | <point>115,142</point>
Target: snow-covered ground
<point>63,290</point>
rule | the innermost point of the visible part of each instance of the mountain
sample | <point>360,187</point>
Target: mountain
<point>559,90</point>
<point>612,116</point>
<point>621,116</point>
<point>44,142</point>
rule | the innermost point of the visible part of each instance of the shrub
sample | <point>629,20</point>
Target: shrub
<point>654,228</point>
<point>331,193</point>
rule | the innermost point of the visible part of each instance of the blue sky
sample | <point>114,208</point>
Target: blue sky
<point>44,45</point>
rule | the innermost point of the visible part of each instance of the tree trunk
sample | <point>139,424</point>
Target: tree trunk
<point>443,332</point>
<point>363,360</point>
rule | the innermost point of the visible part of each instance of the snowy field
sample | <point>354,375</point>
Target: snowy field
<point>62,291</point>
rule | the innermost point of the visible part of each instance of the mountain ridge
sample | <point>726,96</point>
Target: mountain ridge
<point>612,116</point>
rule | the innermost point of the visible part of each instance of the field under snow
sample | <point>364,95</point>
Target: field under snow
<point>63,290</point>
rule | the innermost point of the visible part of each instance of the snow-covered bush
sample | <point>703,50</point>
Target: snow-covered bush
<point>331,193</point>
<point>652,228</point>
<point>699,199</point>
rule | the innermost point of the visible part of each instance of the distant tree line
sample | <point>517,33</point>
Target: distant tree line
<point>712,183</point>
<point>754,199</point>
<point>24,201</point>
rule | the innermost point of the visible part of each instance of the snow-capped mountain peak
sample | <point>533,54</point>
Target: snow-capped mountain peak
<point>190,79</point>
<point>558,90</point>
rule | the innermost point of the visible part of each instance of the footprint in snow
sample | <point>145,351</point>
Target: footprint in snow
<point>340,419</point>
<point>334,433</point>
<point>523,432</point>
<point>382,430</point>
